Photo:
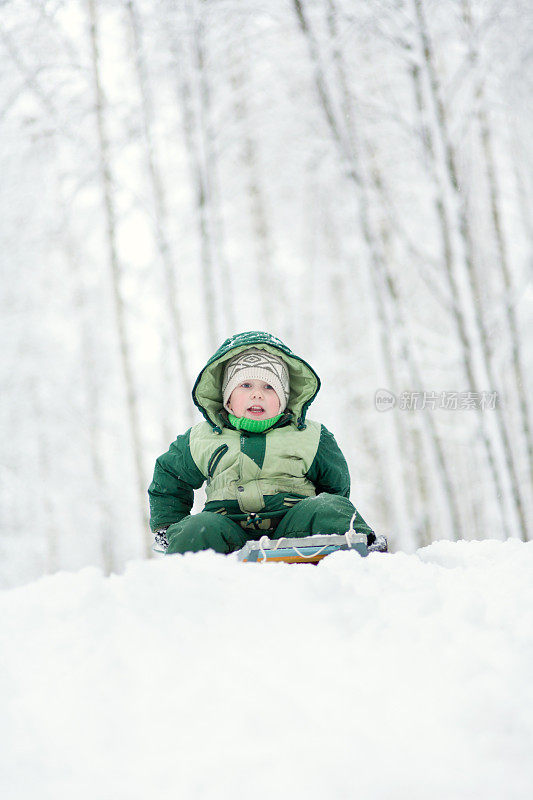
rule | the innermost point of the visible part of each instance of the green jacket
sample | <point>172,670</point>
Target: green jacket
<point>258,474</point>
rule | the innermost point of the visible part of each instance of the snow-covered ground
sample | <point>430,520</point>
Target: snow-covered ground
<point>395,676</point>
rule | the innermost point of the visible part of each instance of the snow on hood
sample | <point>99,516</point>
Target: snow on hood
<point>303,380</point>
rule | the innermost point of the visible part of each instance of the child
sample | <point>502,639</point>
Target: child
<point>268,470</point>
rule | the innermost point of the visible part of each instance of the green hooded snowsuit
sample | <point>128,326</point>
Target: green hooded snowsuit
<point>292,478</point>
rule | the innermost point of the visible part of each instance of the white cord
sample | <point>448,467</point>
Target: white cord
<point>312,555</point>
<point>261,547</point>
<point>278,543</point>
<point>352,537</point>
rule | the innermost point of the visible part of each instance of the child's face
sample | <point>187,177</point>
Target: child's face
<point>254,399</point>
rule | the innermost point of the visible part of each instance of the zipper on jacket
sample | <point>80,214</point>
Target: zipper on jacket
<point>215,458</point>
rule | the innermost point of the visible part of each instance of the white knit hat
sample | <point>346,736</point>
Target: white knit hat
<point>262,366</point>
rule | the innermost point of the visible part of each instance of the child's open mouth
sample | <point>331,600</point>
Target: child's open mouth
<point>256,410</point>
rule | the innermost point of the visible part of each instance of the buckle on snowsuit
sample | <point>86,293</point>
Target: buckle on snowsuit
<point>256,523</point>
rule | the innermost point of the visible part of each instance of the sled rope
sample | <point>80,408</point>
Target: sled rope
<point>350,533</point>
<point>285,539</point>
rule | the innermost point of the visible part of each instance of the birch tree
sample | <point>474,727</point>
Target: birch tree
<point>160,216</point>
<point>350,154</point>
<point>106,182</point>
<point>495,203</point>
<point>434,453</point>
<point>465,290</point>
<point>242,86</point>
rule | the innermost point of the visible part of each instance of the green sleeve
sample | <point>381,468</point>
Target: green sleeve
<point>176,476</point>
<point>329,470</point>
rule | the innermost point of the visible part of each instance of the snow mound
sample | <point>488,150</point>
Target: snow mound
<point>394,676</point>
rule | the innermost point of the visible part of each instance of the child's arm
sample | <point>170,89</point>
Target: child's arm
<point>171,492</point>
<point>329,470</point>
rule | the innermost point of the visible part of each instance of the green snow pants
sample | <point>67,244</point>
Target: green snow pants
<point>325,513</point>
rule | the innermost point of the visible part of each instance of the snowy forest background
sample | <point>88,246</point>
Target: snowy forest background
<point>354,177</point>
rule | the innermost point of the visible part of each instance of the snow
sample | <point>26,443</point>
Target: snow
<point>395,676</point>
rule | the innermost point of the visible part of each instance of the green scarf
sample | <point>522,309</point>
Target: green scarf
<point>253,425</point>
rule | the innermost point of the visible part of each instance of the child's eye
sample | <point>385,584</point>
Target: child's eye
<point>268,386</point>
<point>245,385</point>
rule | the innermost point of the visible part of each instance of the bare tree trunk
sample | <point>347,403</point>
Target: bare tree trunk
<point>45,479</point>
<point>524,202</point>
<point>192,131</point>
<point>502,249</point>
<point>260,227</point>
<point>116,274</point>
<point>468,294</point>
<point>435,453</point>
<point>439,469</point>
<point>195,99</point>
<point>160,217</point>
<point>425,516</point>
<point>447,249</point>
<point>196,140</point>
<point>87,357</point>
<point>214,200</point>
<point>348,151</point>
<point>93,401</point>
